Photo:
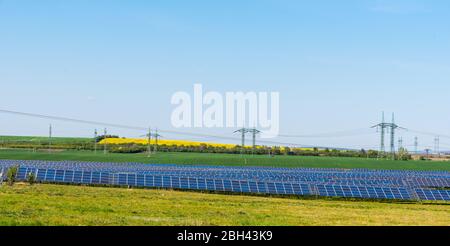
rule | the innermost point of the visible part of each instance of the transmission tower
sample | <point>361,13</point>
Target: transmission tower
<point>254,132</point>
<point>384,127</point>
<point>149,145</point>
<point>416,145</point>
<point>157,136</point>
<point>400,144</point>
<point>243,131</point>
<point>428,152</point>
<point>50,138</point>
<point>436,146</point>
<point>95,141</point>
<point>150,135</point>
<point>104,145</point>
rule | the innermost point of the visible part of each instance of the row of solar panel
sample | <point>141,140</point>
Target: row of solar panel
<point>433,195</point>
<point>334,181</point>
<point>83,177</point>
<point>364,192</point>
<point>310,172</point>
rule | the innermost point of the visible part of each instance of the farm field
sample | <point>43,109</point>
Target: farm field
<point>44,204</point>
<point>56,140</point>
<point>228,160</point>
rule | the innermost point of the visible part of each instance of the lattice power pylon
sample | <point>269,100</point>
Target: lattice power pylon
<point>384,127</point>
<point>244,131</point>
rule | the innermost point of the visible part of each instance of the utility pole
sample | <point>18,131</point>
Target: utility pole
<point>50,138</point>
<point>157,136</point>
<point>384,127</point>
<point>149,146</point>
<point>95,141</point>
<point>254,131</point>
<point>149,135</point>
<point>436,146</point>
<point>400,144</point>
<point>428,152</point>
<point>393,127</point>
<point>243,131</point>
<point>104,145</point>
<point>416,145</point>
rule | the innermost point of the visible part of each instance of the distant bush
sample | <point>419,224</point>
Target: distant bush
<point>11,175</point>
<point>31,178</point>
<point>128,149</point>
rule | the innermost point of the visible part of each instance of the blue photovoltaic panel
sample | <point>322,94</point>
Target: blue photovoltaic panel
<point>131,179</point>
<point>59,176</point>
<point>123,179</point>
<point>262,188</point>
<point>357,183</point>
<point>210,185</point>
<point>68,177</point>
<point>193,184</point>
<point>245,186</point>
<point>105,178</point>
<point>176,183</point>
<point>95,178</point>
<point>149,182</point>
<point>184,183</point>
<point>50,176</point>
<point>166,182</point>
<point>253,187</point>
<point>86,178</point>
<point>202,184</point>
<point>236,186</point>
<point>77,177</point>
<point>41,174</point>
<point>227,185</point>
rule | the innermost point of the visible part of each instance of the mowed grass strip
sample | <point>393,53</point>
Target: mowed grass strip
<point>45,204</point>
<point>228,160</point>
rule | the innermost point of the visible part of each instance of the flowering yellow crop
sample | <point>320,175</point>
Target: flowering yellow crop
<point>120,141</point>
<point>164,142</point>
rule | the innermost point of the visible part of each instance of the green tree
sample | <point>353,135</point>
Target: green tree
<point>11,175</point>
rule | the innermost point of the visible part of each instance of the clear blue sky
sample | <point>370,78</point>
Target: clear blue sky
<point>337,64</point>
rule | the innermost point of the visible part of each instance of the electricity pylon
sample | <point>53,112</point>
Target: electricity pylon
<point>254,131</point>
<point>104,137</point>
<point>157,136</point>
<point>386,127</point>
<point>382,127</point>
<point>95,141</point>
<point>436,146</point>
<point>416,145</point>
<point>400,144</point>
<point>244,131</point>
<point>150,135</point>
<point>50,139</point>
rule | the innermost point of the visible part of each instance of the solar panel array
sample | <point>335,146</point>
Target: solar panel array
<point>352,183</point>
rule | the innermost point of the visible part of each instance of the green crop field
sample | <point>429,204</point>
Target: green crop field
<point>56,140</point>
<point>228,160</point>
<point>77,205</point>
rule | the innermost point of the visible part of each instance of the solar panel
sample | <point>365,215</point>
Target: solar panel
<point>359,183</point>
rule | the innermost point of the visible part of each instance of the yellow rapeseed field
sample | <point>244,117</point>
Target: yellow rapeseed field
<point>120,141</point>
<point>141,141</point>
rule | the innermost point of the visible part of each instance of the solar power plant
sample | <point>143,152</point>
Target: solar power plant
<point>351,183</point>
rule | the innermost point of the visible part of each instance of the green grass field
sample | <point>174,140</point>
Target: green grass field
<point>228,160</point>
<point>77,205</point>
<point>55,140</point>
<point>45,204</point>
